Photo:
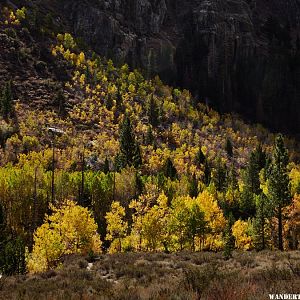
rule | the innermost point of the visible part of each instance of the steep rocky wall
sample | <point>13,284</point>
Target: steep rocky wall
<point>240,55</point>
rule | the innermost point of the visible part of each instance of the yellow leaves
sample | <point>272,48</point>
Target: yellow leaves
<point>66,40</point>
<point>240,230</point>
<point>70,229</point>
<point>215,218</point>
<point>21,13</point>
<point>47,249</point>
<point>14,17</point>
<point>112,89</point>
<point>82,79</point>
<point>131,88</point>
<point>131,78</point>
<point>80,59</point>
<point>150,219</point>
<point>295,180</point>
<point>116,226</point>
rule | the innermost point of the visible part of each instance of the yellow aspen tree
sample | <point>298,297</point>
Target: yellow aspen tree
<point>116,225</point>
<point>215,219</point>
<point>70,229</point>
<point>240,231</point>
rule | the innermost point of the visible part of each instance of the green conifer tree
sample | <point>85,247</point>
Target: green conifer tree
<point>129,148</point>
<point>200,158</point>
<point>229,148</point>
<point>279,184</point>
<point>260,222</point>
<point>6,103</point>
<point>219,177</point>
<point>193,188</point>
<point>169,170</point>
<point>106,166</point>
<point>257,162</point>
<point>229,238</point>
<point>13,257</point>
<point>153,112</point>
<point>207,172</point>
<point>149,137</point>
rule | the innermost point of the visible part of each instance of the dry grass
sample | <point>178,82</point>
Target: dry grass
<point>135,276</point>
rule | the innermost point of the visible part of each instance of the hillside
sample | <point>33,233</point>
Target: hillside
<point>99,157</point>
<point>238,55</point>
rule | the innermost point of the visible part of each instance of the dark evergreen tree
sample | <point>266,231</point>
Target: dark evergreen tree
<point>129,148</point>
<point>257,162</point>
<point>106,166</point>
<point>169,170</point>
<point>232,206</point>
<point>60,101</point>
<point>119,100</point>
<point>12,250</point>
<point>207,172</point>
<point>12,257</point>
<point>200,158</point>
<point>6,101</point>
<point>153,112</point>
<point>149,137</point>
<point>193,186</point>
<point>139,184</point>
<point>229,238</point>
<point>109,102</point>
<point>232,178</point>
<point>262,214</point>
<point>137,157</point>
<point>279,184</point>
<point>219,177</point>
<point>229,148</point>
<point>247,204</point>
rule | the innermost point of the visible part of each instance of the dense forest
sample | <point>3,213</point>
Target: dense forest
<point>97,157</point>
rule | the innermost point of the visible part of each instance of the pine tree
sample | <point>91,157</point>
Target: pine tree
<point>247,204</point>
<point>279,184</point>
<point>60,101</point>
<point>232,178</point>
<point>106,166</point>
<point>229,148</point>
<point>229,238</point>
<point>260,222</point>
<point>153,112</point>
<point>109,102</point>
<point>169,170</point>
<point>219,177</point>
<point>207,172</point>
<point>200,158</point>
<point>13,257</point>
<point>149,137</point>
<point>257,162</point>
<point>193,188</point>
<point>12,250</point>
<point>129,148</point>
<point>139,184</point>
<point>6,103</point>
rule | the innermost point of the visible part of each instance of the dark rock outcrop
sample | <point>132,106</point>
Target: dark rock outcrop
<point>240,55</point>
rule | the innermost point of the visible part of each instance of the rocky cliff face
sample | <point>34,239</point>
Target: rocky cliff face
<point>239,55</point>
